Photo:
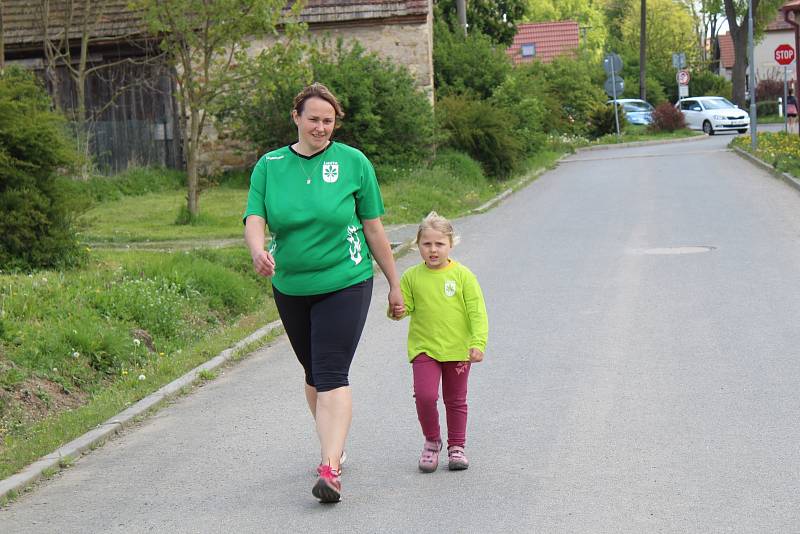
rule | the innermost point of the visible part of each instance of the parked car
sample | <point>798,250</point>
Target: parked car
<point>636,111</point>
<point>713,114</point>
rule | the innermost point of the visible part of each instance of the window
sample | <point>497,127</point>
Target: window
<point>528,50</point>
<point>689,105</point>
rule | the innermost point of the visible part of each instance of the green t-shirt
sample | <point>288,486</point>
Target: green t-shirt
<point>448,313</point>
<point>314,207</point>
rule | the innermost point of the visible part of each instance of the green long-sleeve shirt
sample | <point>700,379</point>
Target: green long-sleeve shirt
<point>448,313</point>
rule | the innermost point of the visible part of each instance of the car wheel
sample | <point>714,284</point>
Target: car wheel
<point>707,128</point>
<point>744,130</point>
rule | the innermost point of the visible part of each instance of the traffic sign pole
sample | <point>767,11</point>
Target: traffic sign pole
<point>785,97</point>
<point>616,108</point>
<point>784,55</point>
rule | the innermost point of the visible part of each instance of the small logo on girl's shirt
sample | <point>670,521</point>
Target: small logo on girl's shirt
<point>449,287</point>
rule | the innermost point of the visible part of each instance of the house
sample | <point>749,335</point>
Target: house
<point>140,127</point>
<point>776,33</point>
<point>544,41</point>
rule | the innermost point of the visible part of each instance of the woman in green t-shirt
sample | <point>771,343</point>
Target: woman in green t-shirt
<point>321,202</point>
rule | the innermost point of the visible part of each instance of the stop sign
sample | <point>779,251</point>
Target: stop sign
<point>784,54</point>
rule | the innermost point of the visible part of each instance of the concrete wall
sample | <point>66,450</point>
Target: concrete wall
<point>764,56</point>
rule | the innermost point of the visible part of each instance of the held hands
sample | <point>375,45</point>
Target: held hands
<point>264,263</point>
<point>475,355</point>
<point>397,307</point>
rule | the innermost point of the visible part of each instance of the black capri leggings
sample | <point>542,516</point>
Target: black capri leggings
<point>324,331</point>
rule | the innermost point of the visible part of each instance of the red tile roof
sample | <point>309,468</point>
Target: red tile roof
<point>550,39</point>
<point>727,57</point>
<point>779,24</point>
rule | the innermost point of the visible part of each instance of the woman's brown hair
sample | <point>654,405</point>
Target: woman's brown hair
<point>317,90</point>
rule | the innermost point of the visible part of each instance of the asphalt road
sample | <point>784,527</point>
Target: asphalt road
<point>641,376</point>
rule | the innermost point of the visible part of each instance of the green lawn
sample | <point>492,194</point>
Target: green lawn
<point>151,217</point>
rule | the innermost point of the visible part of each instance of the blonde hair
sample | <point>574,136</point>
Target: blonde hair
<point>434,221</point>
<point>317,90</point>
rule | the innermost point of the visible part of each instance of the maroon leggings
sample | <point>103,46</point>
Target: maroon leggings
<point>453,375</point>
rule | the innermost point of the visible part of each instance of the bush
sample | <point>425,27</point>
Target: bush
<point>524,95</point>
<point>769,90</point>
<point>36,216</point>
<point>667,118</point>
<point>603,120</point>
<point>705,82</point>
<point>467,65</point>
<point>767,108</point>
<point>386,116</point>
<point>481,130</point>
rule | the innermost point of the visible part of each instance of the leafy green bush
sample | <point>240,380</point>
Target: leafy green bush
<point>667,118</point>
<point>769,107</point>
<point>533,110</point>
<point>481,130</point>
<point>386,116</point>
<point>471,65</point>
<point>36,217</point>
<point>603,120</point>
<point>706,83</point>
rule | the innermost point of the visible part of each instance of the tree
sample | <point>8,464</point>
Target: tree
<point>205,41</point>
<point>708,16</point>
<point>643,50</point>
<point>737,13</point>
<point>2,40</point>
<point>60,23</point>
<point>495,18</point>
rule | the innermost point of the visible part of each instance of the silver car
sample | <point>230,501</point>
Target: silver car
<point>636,111</point>
<point>713,114</point>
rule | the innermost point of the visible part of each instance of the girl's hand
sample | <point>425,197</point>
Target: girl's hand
<point>264,263</point>
<point>475,355</point>
<point>396,305</point>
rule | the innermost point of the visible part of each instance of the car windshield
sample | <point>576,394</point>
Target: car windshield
<point>637,106</point>
<point>717,103</point>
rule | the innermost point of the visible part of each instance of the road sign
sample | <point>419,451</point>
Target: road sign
<point>683,91</point>
<point>617,84</point>
<point>683,77</point>
<point>679,60</point>
<point>612,63</point>
<point>784,54</point>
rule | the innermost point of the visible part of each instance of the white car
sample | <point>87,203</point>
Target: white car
<point>636,111</point>
<point>713,114</point>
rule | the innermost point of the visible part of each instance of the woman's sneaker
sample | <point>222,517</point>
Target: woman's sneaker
<point>456,459</point>
<point>328,487</point>
<point>429,459</point>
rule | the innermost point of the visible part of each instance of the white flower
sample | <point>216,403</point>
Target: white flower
<point>137,342</point>
<point>76,354</point>
<point>44,280</point>
<point>142,377</point>
<point>55,369</point>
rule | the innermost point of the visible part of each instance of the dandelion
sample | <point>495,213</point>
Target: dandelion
<point>44,280</point>
<point>137,342</point>
<point>55,369</point>
<point>76,354</point>
<point>160,353</point>
<point>142,377</point>
<point>124,372</point>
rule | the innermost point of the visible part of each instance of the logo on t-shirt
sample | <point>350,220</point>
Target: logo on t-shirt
<point>355,244</point>
<point>330,171</point>
<point>449,287</point>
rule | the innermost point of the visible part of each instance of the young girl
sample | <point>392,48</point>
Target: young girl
<point>448,332</point>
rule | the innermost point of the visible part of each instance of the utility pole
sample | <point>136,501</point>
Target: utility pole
<point>461,10</point>
<point>643,51</point>
<point>752,84</point>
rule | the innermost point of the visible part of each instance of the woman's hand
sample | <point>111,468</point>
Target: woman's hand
<point>264,263</point>
<point>475,355</point>
<point>396,305</point>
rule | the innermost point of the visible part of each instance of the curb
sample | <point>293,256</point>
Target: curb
<point>785,176</point>
<point>641,143</point>
<point>73,450</point>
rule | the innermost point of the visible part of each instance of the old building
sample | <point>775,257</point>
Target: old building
<point>129,97</point>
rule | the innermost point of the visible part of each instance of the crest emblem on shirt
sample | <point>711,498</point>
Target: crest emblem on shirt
<point>449,287</point>
<point>330,171</point>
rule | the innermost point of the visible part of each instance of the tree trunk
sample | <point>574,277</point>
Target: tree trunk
<point>643,51</point>
<point>739,36</point>
<point>193,193</point>
<point>2,41</point>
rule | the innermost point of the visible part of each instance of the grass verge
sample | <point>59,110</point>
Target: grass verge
<point>779,149</point>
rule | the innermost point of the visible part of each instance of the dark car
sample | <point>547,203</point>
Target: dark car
<point>636,111</point>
